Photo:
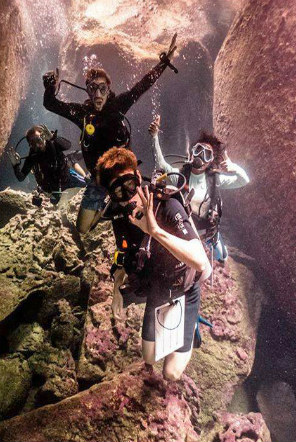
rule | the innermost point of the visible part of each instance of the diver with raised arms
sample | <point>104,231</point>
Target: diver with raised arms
<point>54,170</point>
<point>101,120</point>
<point>159,255</point>
<point>208,169</point>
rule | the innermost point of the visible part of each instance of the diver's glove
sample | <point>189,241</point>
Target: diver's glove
<point>46,133</point>
<point>51,78</point>
<point>14,157</point>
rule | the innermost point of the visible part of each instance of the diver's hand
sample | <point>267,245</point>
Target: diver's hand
<point>172,47</point>
<point>147,222</point>
<point>51,78</point>
<point>117,304</point>
<point>154,126</point>
<point>227,165</point>
<point>47,134</point>
<point>14,157</point>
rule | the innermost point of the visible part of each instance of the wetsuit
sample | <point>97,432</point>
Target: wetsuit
<point>109,127</point>
<point>50,167</point>
<point>200,202</point>
<point>163,273</point>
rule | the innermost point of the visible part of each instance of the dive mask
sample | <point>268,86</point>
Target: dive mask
<point>93,87</point>
<point>201,154</point>
<point>37,141</point>
<point>124,187</point>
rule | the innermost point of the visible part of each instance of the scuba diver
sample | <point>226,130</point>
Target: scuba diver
<point>159,255</point>
<point>207,170</point>
<point>101,121</point>
<point>49,164</point>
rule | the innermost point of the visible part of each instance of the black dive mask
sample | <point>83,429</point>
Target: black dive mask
<point>93,87</point>
<point>37,141</point>
<point>124,187</point>
<point>201,154</point>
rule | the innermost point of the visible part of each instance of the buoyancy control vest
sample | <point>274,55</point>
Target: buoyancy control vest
<point>135,260</point>
<point>210,222</point>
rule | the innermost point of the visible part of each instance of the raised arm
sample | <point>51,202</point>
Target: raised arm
<point>72,111</point>
<point>127,99</point>
<point>15,160</point>
<point>160,161</point>
<point>62,143</point>
<point>21,173</point>
<point>235,177</point>
<point>186,247</point>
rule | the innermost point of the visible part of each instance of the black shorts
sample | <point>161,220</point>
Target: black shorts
<point>192,301</point>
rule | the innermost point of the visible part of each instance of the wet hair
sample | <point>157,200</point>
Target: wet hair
<point>32,131</point>
<point>113,162</point>
<point>217,145</point>
<point>94,73</point>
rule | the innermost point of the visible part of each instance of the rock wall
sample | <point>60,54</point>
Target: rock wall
<point>127,45</point>
<point>16,52</point>
<point>70,371</point>
<point>254,113</point>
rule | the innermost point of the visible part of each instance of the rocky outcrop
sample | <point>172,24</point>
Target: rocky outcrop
<point>57,318</point>
<point>239,428</point>
<point>27,338</point>
<point>134,406</point>
<point>15,382</point>
<point>12,203</point>
<point>277,404</point>
<point>16,52</point>
<point>254,113</point>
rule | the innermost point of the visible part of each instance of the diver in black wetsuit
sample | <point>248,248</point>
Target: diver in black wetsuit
<point>101,121</point>
<point>48,162</point>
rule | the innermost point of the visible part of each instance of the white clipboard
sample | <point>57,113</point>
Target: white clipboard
<point>169,327</point>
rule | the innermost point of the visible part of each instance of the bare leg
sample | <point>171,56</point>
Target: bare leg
<point>79,169</point>
<point>175,364</point>
<point>86,219</point>
<point>148,350</point>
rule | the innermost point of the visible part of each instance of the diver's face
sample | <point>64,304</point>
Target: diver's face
<point>38,142</point>
<point>130,184</point>
<point>98,91</point>
<point>201,162</point>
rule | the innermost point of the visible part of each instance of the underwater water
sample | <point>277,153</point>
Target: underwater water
<point>59,343</point>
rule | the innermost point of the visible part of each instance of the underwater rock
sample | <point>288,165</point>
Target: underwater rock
<point>27,338</point>
<point>135,405</point>
<point>15,382</point>
<point>109,346</point>
<point>130,48</point>
<point>240,428</point>
<point>12,203</point>
<point>62,287</point>
<point>277,403</point>
<point>27,265</point>
<point>16,52</point>
<point>226,358</point>
<point>65,331</point>
<point>254,114</point>
<point>57,369</point>
<point>102,349</point>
